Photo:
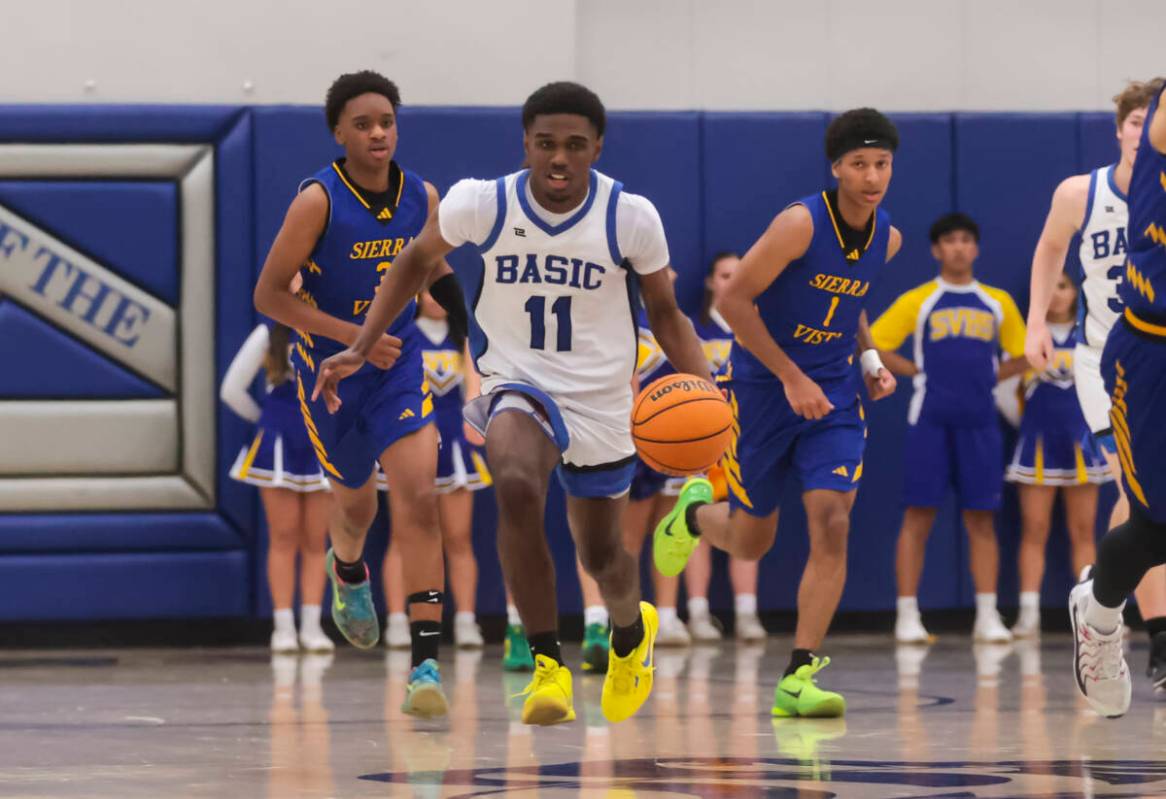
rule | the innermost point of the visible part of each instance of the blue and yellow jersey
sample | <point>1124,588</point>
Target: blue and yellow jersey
<point>1143,288</point>
<point>958,332</point>
<point>1050,396</point>
<point>716,339</point>
<point>357,247</point>
<point>812,308</point>
<point>651,363</point>
<point>444,373</point>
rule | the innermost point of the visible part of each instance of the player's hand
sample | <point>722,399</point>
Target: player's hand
<point>1038,346</point>
<point>385,352</point>
<point>473,436</point>
<point>331,372</point>
<point>881,384</point>
<point>807,398</point>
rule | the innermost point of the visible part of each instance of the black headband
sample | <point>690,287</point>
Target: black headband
<point>858,139</point>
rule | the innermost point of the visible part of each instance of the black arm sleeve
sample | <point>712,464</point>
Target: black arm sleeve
<point>448,293</point>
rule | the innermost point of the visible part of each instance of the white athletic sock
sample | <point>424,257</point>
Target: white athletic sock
<point>512,617</point>
<point>464,617</point>
<point>285,621</point>
<point>666,614</point>
<point>985,603</point>
<point>399,618</point>
<point>1099,617</point>
<point>745,604</point>
<point>595,614</point>
<point>1030,600</point>
<point>310,617</point>
<point>698,607</point>
<point>907,606</point>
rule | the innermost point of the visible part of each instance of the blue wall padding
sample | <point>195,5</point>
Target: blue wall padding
<point>234,243</point>
<point>116,532</point>
<point>177,124</point>
<point>129,227</point>
<point>45,362</point>
<point>124,586</point>
<point>717,179</point>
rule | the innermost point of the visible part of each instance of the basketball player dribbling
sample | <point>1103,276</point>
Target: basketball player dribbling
<point>554,337</point>
<point>795,305</point>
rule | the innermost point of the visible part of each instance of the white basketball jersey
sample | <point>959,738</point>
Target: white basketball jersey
<point>1103,254</point>
<point>555,306</point>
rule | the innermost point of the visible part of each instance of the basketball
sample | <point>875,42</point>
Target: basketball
<point>681,424</point>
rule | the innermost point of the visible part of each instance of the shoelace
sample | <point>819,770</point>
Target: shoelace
<point>426,672</point>
<point>1102,657</point>
<point>622,678</point>
<point>542,675</point>
<point>815,666</point>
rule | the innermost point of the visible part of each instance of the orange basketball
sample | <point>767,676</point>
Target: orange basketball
<point>681,424</point>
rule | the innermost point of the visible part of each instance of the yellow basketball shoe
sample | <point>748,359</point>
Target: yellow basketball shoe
<point>549,697</point>
<point>629,679</point>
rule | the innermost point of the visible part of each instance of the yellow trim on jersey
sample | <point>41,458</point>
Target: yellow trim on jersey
<point>1038,463</point>
<point>313,432</point>
<point>1144,326</point>
<point>899,321</point>
<point>1011,333</point>
<point>838,230</point>
<point>729,462</point>
<point>1121,435</point>
<point>251,453</point>
<point>351,188</point>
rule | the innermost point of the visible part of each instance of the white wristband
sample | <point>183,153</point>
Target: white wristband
<point>871,362</point>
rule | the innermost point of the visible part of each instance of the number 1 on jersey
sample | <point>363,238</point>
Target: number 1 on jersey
<point>537,308</point>
<point>830,313</point>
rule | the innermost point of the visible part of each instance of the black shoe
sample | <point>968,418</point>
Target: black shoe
<point>1156,670</point>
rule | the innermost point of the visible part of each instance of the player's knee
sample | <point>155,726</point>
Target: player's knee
<point>600,556</point>
<point>517,487</point>
<point>829,532</point>
<point>356,517</point>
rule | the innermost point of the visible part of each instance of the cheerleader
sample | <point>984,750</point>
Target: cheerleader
<point>717,340</point>
<point>461,470</point>
<point>281,461</point>
<point>1055,450</point>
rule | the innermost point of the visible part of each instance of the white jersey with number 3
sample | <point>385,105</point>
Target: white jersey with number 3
<point>1103,251</point>
<point>552,305</point>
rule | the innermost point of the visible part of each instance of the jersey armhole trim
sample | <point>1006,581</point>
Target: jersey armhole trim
<point>305,183</point>
<point>612,227</point>
<point>1089,199</point>
<point>500,219</point>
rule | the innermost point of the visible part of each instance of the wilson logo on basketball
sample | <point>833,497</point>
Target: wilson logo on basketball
<point>681,385</point>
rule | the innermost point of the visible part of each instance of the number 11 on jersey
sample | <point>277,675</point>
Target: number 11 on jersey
<point>536,307</point>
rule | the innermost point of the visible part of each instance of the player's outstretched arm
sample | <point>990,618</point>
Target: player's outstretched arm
<point>787,239</point>
<point>1065,214</point>
<point>293,245</point>
<point>672,329</point>
<point>406,278</point>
